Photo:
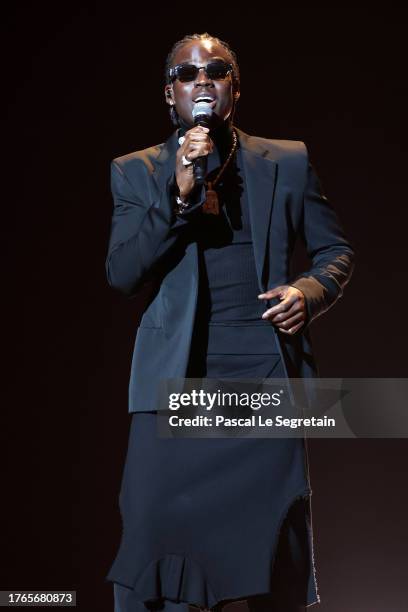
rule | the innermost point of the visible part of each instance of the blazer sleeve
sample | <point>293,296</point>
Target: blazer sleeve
<point>328,248</point>
<point>142,232</point>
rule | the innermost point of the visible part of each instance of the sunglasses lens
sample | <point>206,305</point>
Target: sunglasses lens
<point>217,70</point>
<point>188,72</point>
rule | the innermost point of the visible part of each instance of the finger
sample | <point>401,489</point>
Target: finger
<point>193,146</point>
<point>291,321</point>
<point>276,292</point>
<point>198,151</point>
<point>197,128</point>
<point>207,144</point>
<point>194,135</point>
<point>292,330</point>
<point>295,309</point>
<point>191,156</point>
<point>283,306</point>
<point>293,300</point>
<point>196,138</point>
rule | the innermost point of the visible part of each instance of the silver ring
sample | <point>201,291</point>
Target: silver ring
<point>185,161</point>
<point>181,140</point>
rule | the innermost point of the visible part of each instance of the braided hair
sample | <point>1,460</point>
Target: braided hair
<point>205,36</point>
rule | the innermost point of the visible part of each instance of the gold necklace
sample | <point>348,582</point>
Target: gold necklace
<point>211,205</point>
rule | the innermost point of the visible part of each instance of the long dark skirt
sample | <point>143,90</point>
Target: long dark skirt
<point>210,520</point>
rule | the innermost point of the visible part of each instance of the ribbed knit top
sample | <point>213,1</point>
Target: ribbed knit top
<point>229,284</point>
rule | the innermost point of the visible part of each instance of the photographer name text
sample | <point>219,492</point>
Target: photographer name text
<point>255,420</point>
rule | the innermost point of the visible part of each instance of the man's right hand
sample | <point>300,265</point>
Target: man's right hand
<point>197,143</point>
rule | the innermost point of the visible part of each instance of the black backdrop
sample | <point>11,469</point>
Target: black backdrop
<point>83,85</point>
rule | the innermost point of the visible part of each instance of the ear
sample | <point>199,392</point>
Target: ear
<point>236,95</point>
<point>168,92</point>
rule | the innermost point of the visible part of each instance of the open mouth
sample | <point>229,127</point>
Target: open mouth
<point>206,99</point>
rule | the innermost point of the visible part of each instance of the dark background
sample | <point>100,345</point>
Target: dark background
<point>83,85</point>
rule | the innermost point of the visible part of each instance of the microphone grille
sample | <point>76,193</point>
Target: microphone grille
<point>202,108</point>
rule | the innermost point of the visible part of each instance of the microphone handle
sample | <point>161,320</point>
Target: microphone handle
<point>200,170</point>
<point>200,164</point>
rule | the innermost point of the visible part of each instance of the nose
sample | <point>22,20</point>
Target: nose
<point>202,78</point>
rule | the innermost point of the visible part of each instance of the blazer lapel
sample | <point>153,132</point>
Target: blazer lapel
<point>260,172</point>
<point>163,165</point>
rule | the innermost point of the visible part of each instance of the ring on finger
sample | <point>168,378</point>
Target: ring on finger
<point>185,161</point>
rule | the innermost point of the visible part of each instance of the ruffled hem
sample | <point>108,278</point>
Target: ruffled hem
<point>173,577</point>
<point>182,580</point>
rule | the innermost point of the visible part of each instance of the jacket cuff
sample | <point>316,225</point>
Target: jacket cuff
<point>317,296</point>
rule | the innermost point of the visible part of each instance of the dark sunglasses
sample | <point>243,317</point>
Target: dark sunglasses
<point>188,72</point>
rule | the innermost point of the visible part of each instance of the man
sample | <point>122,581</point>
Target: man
<point>159,206</point>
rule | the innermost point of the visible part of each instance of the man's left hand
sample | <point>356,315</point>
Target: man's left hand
<point>290,314</point>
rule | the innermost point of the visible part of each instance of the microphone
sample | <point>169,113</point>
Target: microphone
<point>202,113</point>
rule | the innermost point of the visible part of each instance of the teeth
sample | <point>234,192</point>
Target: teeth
<point>203,100</point>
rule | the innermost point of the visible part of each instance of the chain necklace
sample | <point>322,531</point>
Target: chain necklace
<point>211,205</point>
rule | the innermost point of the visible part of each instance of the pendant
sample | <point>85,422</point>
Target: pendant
<point>211,205</point>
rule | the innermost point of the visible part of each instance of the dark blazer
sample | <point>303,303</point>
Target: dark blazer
<point>147,241</point>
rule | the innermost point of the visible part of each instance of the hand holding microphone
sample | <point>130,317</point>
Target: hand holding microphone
<point>195,148</point>
<point>197,144</point>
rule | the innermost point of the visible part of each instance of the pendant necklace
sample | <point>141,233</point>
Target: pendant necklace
<point>211,205</point>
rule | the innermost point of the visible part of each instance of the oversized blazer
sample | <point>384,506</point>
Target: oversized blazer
<point>147,242</point>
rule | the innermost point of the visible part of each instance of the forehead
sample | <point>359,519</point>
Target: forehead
<point>199,51</point>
